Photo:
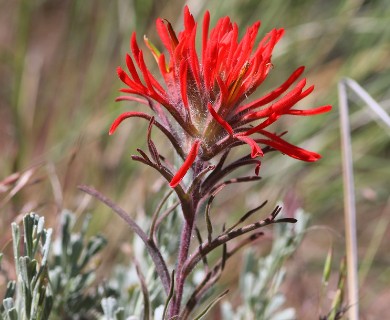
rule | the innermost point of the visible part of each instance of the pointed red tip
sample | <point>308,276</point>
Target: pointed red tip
<point>220,120</point>
<point>186,165</point>
<point>124,116</point>
<point>257,169</point>
<point>113,127</point>
<point>256,150</point>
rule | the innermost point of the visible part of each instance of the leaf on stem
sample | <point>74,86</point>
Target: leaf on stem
<point>144,290</point>
<point>156,213</point>
<point>211,304</point>
<point>204,258</point>
<point>224,253</point>
<point>152,147</point>
<point>170,294</point>
<point>234,180</point>
<point>153,251</point>
<point>208,221</point>
<point>246,216</point>
<point>327,267</point>
<point>207,247</point>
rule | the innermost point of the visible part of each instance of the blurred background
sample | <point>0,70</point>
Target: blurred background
<point>57,89</point>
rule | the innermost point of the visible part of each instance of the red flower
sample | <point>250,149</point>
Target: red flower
<point>202,104</point>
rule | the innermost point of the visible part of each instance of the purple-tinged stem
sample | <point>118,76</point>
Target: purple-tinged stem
<point>189,206</point>
<point>182,257</point>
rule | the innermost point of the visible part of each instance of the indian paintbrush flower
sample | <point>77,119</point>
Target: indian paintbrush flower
<point>202,106</point>
<point>202,103</point>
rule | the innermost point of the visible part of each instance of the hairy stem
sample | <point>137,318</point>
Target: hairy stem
<point>185,242</point>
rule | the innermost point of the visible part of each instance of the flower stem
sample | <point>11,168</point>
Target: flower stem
<point>182,257</point>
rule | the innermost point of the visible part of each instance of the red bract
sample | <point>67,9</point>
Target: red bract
<point>202,103</point>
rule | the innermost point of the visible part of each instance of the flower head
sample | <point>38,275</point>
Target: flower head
<point>202,102</point>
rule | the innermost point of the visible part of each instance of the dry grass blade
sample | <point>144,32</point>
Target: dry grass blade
<point>371,103</point>
<point>56,185</point>
<point>349,204</point>
<point>20,184</point>
<point>373,247</point>
<point>349,185</point>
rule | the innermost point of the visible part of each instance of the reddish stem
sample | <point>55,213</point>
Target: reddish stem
<point>182,257</point>
<point>189,206</point>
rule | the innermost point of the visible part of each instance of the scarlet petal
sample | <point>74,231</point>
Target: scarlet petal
<point>172,34</point>
<point>124,116</point>
<point>206,23</point>
<point>130,98</point>
<point>133,71</point>
<point>164,35</point>
<point>194,61</point>
<point>224,92</point>
<point>220,120</point>
<point>287,148</point>
<point>191,82</point>
<point>134,46</point>
<point>183,83</point>
<point>186,165</point>
<point>275,93</point>
<point>163,66</point>
<point>138,87</point>
<point>291,150</point>
<point>270,120</point>
<point>151,82</point>
<point>310,112</point>
<point>282,105</point>
<point>256,150</point>
<point>123,76</point>
<point>189,21</point>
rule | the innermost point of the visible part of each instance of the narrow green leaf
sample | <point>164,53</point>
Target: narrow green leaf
<point>342,274</point>
<point>48,303</point>
<point>212,303</point>
<point>208,220</point>
<point>23,262</point>
<point>85,225</point>
<point>27,272</point>
<point>12,314</point>
<point>327,267</point>
<point>95,245</point>
<point>335,305</point>
<point>38,234</point>
<point>8,304</point>
<point>156,53</point>
<point>120,314</point>
<point>170,294</point>
<point>28,223</point>
<point>67,223</point>
<point>16,244</point>
<point>9,309</point>
<point>46,247</point>
<point>10,291</point>
<point>109,307</point>
<point>157,212</point>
